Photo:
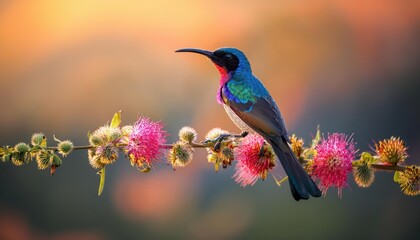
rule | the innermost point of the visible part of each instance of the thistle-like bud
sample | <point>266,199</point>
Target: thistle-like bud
<point>363,174</point>
<point>297,146</point>
<point>215,133</point>
<point>180,155</point>
<point>100,136</point>
<point>21,154</point>
<point>94,160</point>
<point>410,180</point>
<point>102,155</point>
<point>224,154</point>
<point>187,134</point>
<point>114,134</point>
<point>95,140</point>
<point>21,147</point>
<point>43,159</point>
<point>392,150</point>
<point>37,139</point>
<point>65,148</point>
<point>125,132</point>
<point>6,157</point>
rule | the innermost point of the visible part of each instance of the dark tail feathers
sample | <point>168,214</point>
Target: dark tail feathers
<point>301,184</point>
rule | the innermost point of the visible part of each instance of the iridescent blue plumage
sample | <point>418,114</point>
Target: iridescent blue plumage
<point>252,108</point>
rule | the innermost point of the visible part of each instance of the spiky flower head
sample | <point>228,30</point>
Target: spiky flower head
<point>104,135</point>
<point>104,141</point>
<point>43,159</point>
<point>180,155</point>
<point>65,147</point>
<point>255,159</point>
<point>144,143</point>
<point>297,145</point>
<point>187,134</point>
<point>392,150</point>
<point>363,174</point>
<point>333,161</point>
<point>409,180</point>
<point>126,131</point>
<point>219,152</point>
<point>21,154</point>
<point>37,139</point>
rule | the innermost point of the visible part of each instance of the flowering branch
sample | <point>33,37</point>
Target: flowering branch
<point>328,160</point>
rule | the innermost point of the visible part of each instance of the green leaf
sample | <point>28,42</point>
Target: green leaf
<point>145,169</point>
<point>396,176</point>
<point>317,138</point>
<point>279,182</point>
<point>116,120</point>
<point>101,180</point>
<point>367,158</point>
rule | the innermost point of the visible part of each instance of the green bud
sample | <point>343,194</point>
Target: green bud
<point>367,158</point>
<point>363,174</point>
<point>180,155</point>
<point>21,154</point>
<point>6,157</point>
<point>114,134</point>
<point>108,154</point>
<point>95,140</point>
<point>37,139</point>
<point>56,160</point>
<point>21,147</point>
<point>94,160</point>
<point>43,159</point>
<point>187,134</point>
<point>65,148</point>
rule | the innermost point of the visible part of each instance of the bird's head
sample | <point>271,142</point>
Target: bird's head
<point>227,60</point>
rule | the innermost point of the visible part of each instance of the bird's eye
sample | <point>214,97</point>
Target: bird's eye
<point>228,56</point>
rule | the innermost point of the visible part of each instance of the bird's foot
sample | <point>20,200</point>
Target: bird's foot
<point>222,137</point>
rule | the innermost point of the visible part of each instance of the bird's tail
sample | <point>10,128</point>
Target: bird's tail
<point>301,184</point>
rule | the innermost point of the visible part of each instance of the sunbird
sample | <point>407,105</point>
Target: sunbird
<point>252,109</point>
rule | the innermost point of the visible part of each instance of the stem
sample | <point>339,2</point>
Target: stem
<point>200,145</point>
<point>388,167</point>
<point>84,147</point>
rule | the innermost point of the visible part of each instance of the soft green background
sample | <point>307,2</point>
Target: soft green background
<point>67,66</point>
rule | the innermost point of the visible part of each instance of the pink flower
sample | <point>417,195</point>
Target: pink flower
<point>333,162</point>
<point>144,142</point>
<point>255,158</point>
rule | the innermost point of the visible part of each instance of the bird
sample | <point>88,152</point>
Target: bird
<point>251,107</point>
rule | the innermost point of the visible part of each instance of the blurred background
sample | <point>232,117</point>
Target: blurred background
<point>67,66</point>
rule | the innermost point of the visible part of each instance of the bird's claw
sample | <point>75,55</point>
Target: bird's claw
<point>222,137</point>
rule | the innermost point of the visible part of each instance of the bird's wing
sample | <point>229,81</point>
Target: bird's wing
<point>262,115</point>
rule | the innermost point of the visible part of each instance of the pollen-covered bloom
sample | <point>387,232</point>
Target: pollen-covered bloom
<point>221,155</point>
<point>144,143</point>
<point>255,159</point>
<point>410,180</point>
<point>392,150</point>
<point>333,161</point>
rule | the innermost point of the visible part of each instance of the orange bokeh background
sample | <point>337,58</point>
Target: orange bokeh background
<point>67,66</point>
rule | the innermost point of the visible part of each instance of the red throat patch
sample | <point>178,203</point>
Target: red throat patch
<point>224,77</point>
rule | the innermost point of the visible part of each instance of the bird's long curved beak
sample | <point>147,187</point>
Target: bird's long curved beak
<point>199,51</point>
